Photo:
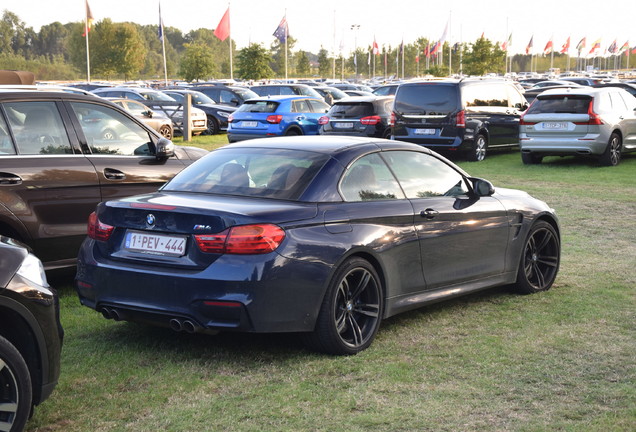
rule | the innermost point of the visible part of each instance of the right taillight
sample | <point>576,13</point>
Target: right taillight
<point>274,118</point>
<point>460,119</point>
<point>242,240</point>
<point>523,122</point>
<point>98,230</point>
<point>594,118</point>
<point>323,120</point>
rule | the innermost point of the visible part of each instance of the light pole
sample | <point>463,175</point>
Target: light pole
<point>355,28</point>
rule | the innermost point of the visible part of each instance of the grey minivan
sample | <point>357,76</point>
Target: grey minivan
<point>597,122</point>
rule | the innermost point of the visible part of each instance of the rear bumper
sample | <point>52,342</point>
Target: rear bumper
<point>586,145</point>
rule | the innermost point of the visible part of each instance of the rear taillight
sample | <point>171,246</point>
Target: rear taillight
<point>460,119</point>
<point>371,120</point>
<point>594,120</point>
<point>274,118</point>
<point>392,119</point>
<point>230,119</point>
<point>98,230</point>
<point>523,122</point>
<point>242,240</point>
<point>323,120</point>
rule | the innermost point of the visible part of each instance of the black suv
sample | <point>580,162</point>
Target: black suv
<point>225,95</point>
<point>30,335</point>
<point>359,116</point>
<point>467,116</point>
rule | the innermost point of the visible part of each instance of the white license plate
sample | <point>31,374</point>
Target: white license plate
<point>249,124</point>
<point>555,125</point>
<point>341,125</point>
<point>424,131</point>
<point>157,244</point>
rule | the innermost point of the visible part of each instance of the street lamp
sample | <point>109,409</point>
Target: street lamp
<point>355,28</point>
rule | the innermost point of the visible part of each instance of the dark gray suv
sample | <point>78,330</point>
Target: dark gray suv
<point>466,116</point>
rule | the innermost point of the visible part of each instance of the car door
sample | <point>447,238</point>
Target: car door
<point>626,104</point>
<point>121,150</point>
<point>461,237</point>
<point>47,186</point>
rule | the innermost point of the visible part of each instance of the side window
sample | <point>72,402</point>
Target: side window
<point>423,175</point>
<point>318,107</point>
<point>369,179</point>
<point>225,97</point>
<point>110,132</point>
<point>6,146</point>
<point>285,91</point>
<point>38,128</point>
<point>618,104</point>
<point>300,106</point>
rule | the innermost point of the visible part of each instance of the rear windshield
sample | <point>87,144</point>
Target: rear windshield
<point>426,99</point>
<point>258,106</point>
<point>571,104</point>
<point>351,110</point>
<point>250,172</point>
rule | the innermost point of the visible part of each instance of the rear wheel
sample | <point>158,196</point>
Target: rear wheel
<point>531,159</point>
<point>539,259</point>
<point>293,132</point>
<point>15,388</point>
<point>612,154</point>
<point>477,152</point>
<point>351,311</point>
<point>166,131</point>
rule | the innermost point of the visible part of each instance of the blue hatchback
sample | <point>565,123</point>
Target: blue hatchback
<point>276,116</point>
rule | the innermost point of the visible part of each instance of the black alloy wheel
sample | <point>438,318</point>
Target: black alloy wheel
<point>612,154</point>
<point>212,126</point>
<point>15,388</point>
<point>351,311</point>
<point>539,260</point>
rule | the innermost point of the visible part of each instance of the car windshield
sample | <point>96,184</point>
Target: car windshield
<point>245,93</point>
<point>197,98</point>
<point>259,106</point>
<point>156,96</point>
<point>574,104</point>
<point>250,172</point>
<point>427,99</point>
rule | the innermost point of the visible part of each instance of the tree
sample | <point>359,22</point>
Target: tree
<point>483,57</point>
<point>302,64</point>
<point>51,41</point>
<point>197,62</point>
<point>324,65</point>
<point>277,61</point>
<point>253,63</point>
<point>15,37</point>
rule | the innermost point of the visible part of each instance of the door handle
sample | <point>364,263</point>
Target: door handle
<point>9,179</point>
<point>113,174</point>
<point>300,118</point>
<point>429,213</point>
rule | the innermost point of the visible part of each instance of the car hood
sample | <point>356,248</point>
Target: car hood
<point>510,193</point>
<point>189,152</point>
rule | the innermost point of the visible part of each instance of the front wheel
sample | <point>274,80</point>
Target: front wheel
<point>351,311</point>
<point>612,154</point>
<point>166,131</point>
<point>15,388</point>
<point>477,152</point>
<point>539,259</point>
<point>212,126</point>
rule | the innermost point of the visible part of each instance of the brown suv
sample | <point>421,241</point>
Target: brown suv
<point>61,154</point>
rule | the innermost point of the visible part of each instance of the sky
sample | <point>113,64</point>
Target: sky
<point>332,24</point>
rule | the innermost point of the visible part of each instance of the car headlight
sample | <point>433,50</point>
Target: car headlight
<point>33,270</point>
<point>223,114</point>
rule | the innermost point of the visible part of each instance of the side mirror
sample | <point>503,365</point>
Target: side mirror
<point>235,102</point>
<point>522,106</point>
<point>148,113</point>
<point>482,187</point>
<point>165,149</point>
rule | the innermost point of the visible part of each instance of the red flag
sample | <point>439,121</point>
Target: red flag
<point>427,50</point>
<point>566,46</point>
<point>548,47</point>
<point>89,20</point>
<point>624,47</point>
<point>222,31</point>
<point>376,49</point>
<point>530,44</point>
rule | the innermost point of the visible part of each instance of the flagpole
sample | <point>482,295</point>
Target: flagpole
<point>163,47</point>
<point>286,37</point>
<point>450,43</point>
<point>88,56</point>
<point>230,38</point>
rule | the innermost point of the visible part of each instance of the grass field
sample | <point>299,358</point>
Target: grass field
<point>562,360</point>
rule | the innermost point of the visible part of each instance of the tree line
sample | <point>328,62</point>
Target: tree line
<point>132,51</point>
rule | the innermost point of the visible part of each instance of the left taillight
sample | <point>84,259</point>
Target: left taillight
<point>98,230</point>
<point>242,240</point>
<point>323,120</point>
<point>230,118</point>
<point>370,120</point>
<point>274,118</point>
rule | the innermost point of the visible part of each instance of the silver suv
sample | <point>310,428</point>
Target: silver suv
<point>599,122</point>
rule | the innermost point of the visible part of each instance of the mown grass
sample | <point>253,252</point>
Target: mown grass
<point>562,360</point>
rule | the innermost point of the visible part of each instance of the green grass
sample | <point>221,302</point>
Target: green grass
<point>563,360</point>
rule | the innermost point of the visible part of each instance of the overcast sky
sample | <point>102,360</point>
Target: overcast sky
<point>328,23</point>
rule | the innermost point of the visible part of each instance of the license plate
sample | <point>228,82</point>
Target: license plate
<point>424,131</point>
<point>249,124</point>
<point>554,125</point>
<point>341,125</point>
<point>156,244</point>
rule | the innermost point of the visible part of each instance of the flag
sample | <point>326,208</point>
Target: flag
<point>634,50</point>
<point>427,50</point>
<point>369,58</point>
<point>613,47</point>
<point>596,45</point>
<point>530,44</point>
<point>624,48</point>
<point>435,48</point>
<point>417,58</point>
<point>376,49</point>
<point>581,45</point>
<point>160,31</point>
<point>506,44</point>
<point>402,47</point>
<point>566,46</point>
<point>222,31</point>
<point>443,38</point>
<point>89,20</point>
<point>282,31</point>
<point>548,47</point>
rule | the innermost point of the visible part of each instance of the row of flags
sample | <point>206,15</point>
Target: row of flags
<point>580,47</point>
<point>222,30</point>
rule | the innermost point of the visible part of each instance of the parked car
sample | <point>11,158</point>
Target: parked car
<point>155,120</point>
<point>584,81</point>
<point>350,86</point>
<point>358,93</point>
<point>330,94</point>
<point>285,89</point>
<point>61,154</point>
<point>30,335</point>
<point>598,122</point>
<point>158,101</point>
<point>554,83</point>
<point>276,116</point>
<point>386,90</point>
<point>362,116</point>
<point>467,116</point>
<point>629,88</point>
<point>321,235</point>
<point>226,95</point>
<point>217,114</point>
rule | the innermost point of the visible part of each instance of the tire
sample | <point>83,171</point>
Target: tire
<point>478,149</point>
<point>166,131</point>
<point>213,126</point>
<point>15,388</point>
<point>540,259</point>
<point>612,154</point>
<point>531,159</point>
<point>293,132</point>
<point>351,311</point>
